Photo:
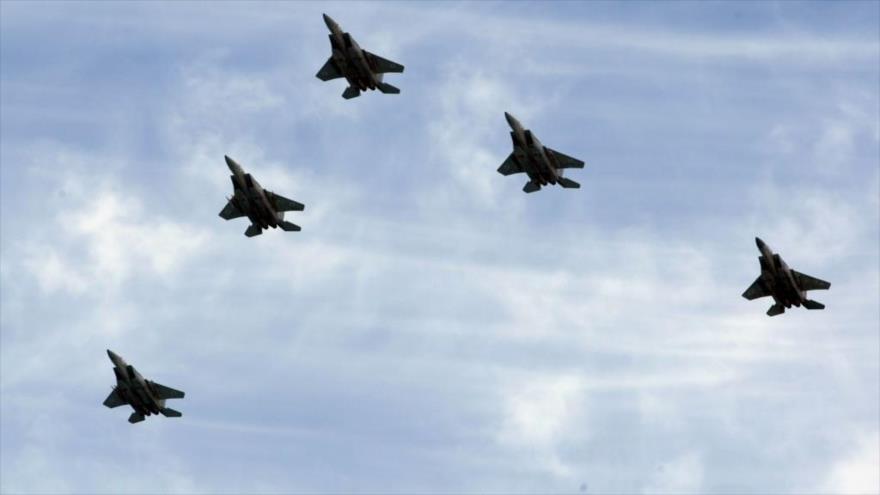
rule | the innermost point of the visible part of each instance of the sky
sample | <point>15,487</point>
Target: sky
<point>433,329</point>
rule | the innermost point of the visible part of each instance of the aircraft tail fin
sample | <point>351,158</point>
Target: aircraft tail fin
<point>568,183</point>
<point>351,92</point>
<point>253,230</point>
<point>135,417</point>
<point>170,413</point>
<point>388,89</point>
<point>811,304</point>
<point>531,187</point>
<point>289,227</point>
<point>776,309</point>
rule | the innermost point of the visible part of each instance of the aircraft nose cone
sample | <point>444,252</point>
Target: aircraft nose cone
<point>760,243</point>
<point>113,356</point>
<point>510,119</point>
<point>231,164</point>
<point>331,24</point>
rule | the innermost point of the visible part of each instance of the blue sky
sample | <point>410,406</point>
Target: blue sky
<point>433,329</point>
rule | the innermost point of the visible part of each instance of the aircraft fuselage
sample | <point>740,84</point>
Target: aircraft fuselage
<point>528,150</point>
<point>778,277</point>
<point>350,58</point>
<point>250,198</point>
<point>134,389</point>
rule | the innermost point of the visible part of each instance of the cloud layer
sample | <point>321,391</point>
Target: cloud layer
<point>433,329</point>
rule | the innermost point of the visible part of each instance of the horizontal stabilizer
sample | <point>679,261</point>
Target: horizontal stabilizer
<point>135,418</point>
<point>170,413</point>
<point>253,230</point>
<point>531,187</point>
<point>568,183</point>
<point>810,304</point>
<point>289,227</point>
<point>114,400</point>
<point>388,89</point>
<point>351,92</point>
<point>776,309</point>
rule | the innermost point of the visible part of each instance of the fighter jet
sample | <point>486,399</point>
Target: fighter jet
<point>362,69</point>
<point>144,396</point>
<point>542,164</point>
<point>788,287</point>
<point>264,208</point>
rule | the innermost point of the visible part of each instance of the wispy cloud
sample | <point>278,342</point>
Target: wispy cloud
<point>432,328</point>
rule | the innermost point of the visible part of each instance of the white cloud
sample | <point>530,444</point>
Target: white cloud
<point>118,240</point>
<point>452,330</point>
<point>859,471</point>
<point>683,474</point>
<point>823,225</point>
<point>218,96</point>
<point>470,110</point>
<point>53,273</point>
<point>538,412</point>
<point>777,49</point>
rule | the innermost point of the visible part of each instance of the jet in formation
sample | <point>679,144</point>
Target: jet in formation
<point>362,69</point>
<point>144,396</point>
<point>263,208</point>
<point>542,164</point>
<point>787,287</point>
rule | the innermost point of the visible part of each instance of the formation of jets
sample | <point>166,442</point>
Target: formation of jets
<point>543,166</point>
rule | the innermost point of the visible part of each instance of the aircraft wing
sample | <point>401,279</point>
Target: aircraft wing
<point>230,211</point>
<point>328,71</point>
<point>806,282</point>
<point>163,392</point>
<point>510,167</point>
<point>113,400</point>
<point>381,65</point>
<point>566,161</point>
<point>283,204</point>
<point>756,290</point>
